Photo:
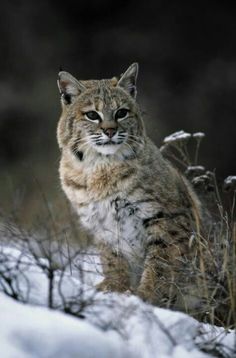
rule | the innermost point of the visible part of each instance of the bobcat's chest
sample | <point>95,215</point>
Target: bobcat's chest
<point>116,222</point>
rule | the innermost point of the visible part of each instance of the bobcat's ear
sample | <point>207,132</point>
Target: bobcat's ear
<point>69,87</point>
<point>128,80</point>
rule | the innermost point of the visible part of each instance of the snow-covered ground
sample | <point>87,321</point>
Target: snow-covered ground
<point>110,325</point>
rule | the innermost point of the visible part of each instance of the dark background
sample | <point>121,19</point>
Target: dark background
<point>187,56</point>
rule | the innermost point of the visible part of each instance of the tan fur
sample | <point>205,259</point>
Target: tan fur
<point>127,195</point>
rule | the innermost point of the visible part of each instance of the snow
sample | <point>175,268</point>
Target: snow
<point>199,135</point>
<point>230,180</point>
<point>28,331</point>
<point>182,136</point>
<point>127,328</point>
<point>177,137</point>
<point>196,168</point>
<point>113,325</point>
<point>230,183</point>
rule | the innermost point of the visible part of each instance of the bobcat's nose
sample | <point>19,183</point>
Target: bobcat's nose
<point>110,132</point>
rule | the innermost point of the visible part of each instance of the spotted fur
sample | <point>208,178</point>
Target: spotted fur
<point>139,209</point>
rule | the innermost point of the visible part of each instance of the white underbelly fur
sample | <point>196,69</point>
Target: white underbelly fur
<point>121,227</point>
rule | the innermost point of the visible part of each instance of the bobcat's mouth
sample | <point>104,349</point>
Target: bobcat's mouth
<point>110,142</point>
<point>106,145</point>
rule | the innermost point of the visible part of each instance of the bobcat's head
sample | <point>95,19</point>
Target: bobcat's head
<point>100,115</point>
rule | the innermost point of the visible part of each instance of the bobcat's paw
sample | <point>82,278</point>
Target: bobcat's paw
<point>109,286</point>
<point>129,292</point>
<point>147,294</point>
<point>105,286</point>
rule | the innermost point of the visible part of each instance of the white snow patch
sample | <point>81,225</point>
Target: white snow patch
<point>28,331</point>
<point>114,325</point>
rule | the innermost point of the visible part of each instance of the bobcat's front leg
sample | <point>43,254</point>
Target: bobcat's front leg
<point>115,270</point>
<point>165,274</point>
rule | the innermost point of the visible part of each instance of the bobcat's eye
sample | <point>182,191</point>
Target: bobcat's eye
<point>121,113</point>
<point>93,116</point>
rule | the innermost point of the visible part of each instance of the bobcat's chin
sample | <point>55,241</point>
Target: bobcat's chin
<point>107,148</point>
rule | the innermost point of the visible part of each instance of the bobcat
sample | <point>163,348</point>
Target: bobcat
<point>136,205</point>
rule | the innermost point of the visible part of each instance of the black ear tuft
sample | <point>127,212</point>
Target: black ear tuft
<point>66,98</point>
<point>60,69</point>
